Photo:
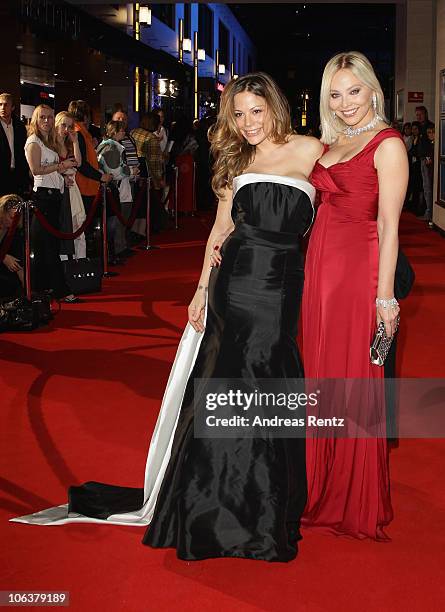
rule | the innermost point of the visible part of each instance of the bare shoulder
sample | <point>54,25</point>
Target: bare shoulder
<point>309,145</point>
<point>389,150</point>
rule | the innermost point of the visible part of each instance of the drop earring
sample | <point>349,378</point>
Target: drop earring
<point>374,102</point>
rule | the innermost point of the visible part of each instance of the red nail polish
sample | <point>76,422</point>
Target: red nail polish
<point>216,248</point>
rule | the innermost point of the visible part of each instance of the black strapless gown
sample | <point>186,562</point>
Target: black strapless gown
<point>230,497</point>
<point>243,497</point>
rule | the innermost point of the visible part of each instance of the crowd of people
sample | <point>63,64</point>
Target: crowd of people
<point>62,160</point>
<point>419,139</point>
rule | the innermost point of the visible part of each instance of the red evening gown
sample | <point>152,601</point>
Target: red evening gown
<point>348,479</point>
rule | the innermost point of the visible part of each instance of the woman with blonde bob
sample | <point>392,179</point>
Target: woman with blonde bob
<point>213,490</point>
<point>349,290</point>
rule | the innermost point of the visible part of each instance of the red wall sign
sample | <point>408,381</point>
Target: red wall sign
<point>415,96</point>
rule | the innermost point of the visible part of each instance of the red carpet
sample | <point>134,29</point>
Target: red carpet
<point>79,401</point>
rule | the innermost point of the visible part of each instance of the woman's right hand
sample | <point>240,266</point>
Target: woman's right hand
<point>216,257</point>
<point>196,309</point>
<point>67,164</point>
<point>73,136</point>
<point>12,263</point>
<point>106,178</point>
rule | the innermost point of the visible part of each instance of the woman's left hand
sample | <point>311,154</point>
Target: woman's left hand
<point>390,317</point>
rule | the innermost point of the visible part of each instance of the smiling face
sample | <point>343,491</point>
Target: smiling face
<point>350,99</point>
<point>252,117</point>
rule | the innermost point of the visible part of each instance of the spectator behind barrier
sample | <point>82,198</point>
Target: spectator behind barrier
<point>123,237</point>
<point>88,175</point>
<point>205,195</point>
<point>11,268</point>
<point>184,140</point>
<point>415,187</point>
<point>423,150</point>
<point>429,171</point>
<point>112,160</point>
<point>72,211</point>
<point>161,132</point>
<point>407,134</point>
<point>14,169</point>
<point>148,147</point>
<point>43,159</point>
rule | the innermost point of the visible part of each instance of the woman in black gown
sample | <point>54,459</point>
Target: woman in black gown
<point>238,497</point>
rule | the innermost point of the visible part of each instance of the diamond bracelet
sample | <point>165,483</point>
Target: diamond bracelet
<point>385,303</point>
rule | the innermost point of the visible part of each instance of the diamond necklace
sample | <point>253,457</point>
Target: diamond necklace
<point>350,132</point>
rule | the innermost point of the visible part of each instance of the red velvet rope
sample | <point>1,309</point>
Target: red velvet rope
<point>10,235</point>
<point>134,210</point>
<point>68,236</point>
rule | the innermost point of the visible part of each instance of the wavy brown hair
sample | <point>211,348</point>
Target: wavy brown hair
<point>231,151</point>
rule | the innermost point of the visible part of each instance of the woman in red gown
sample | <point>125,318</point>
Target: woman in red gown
<point>349,281</point>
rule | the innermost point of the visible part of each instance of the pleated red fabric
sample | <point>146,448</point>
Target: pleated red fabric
<point>348,479</point>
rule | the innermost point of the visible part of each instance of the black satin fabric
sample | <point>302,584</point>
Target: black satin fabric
<point>243,497</point>
<point>237,497</point>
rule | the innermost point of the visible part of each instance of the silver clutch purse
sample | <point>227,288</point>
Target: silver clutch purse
<point>380,345</point>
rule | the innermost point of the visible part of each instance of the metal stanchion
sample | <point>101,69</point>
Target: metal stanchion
<point>194,190</point>
<point>147,246</point>
<point>27,233</point>
<point>106,272</point>
<point>176,196</point>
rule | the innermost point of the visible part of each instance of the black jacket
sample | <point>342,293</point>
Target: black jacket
<point>22,176</point>
<point>424,149</point>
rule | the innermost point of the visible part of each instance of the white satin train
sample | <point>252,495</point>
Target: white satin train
<point>159,451</point>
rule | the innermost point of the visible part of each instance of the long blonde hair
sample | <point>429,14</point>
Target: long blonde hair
<point>33,128</point>
<point>231,151</point>
<point>57,121</point>
<point>332,126</point>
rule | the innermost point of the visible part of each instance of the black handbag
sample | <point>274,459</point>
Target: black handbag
<point>83,275</point>
<point>404,277</point>
<point>21,314</point>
